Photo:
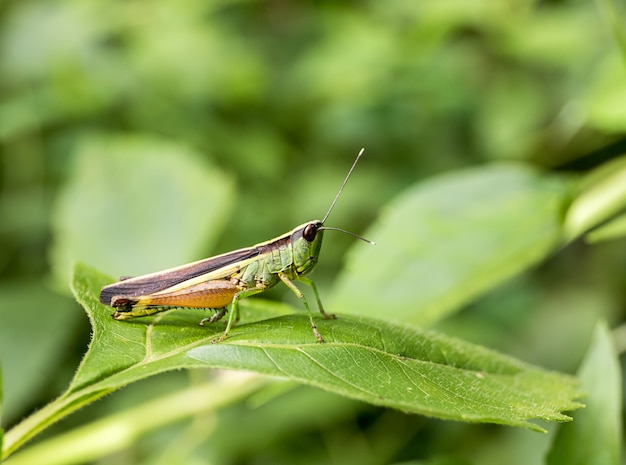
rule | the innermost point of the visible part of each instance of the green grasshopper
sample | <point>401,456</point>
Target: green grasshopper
<point>216,282</point>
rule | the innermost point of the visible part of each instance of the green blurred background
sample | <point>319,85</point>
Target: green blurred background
<point>113,114</point>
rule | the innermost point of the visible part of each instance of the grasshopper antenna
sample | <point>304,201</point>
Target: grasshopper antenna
<point>332,205</point>
<point>350,233</point>
<point>335,201</point>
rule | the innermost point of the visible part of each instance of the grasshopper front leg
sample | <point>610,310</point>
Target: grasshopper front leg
<point>309,282</point>
<point>285,279</point>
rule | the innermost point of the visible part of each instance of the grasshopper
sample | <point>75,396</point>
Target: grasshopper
<point>216,282</point>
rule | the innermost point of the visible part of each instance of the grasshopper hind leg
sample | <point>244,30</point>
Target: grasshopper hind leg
<point>219,314</point>
<point>233,318</point>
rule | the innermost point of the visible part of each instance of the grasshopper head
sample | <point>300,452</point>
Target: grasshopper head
<point>306,241</point>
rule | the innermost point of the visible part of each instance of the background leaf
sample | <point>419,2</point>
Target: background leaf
<point>444,242</point>
<point>139,205</point>
<point>596,434</point>
<point>31,346</point>
<point>1,407</point>
<point>612,229</point>
<point>602,194</point>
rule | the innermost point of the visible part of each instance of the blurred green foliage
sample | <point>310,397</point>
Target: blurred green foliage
<point>268,102</point>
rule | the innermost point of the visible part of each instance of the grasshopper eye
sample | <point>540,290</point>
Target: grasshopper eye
<point>310,231</point>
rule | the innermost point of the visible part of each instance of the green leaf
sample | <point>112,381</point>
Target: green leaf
<point>445,241</point>
<point>614,14</point>
<point>595,435</point>
<point>1,407</point>
<point>139,184</point>
<point>404,368</point>
<point>398,367</point>
<point>612,229</point>
<point>604,99</point>
<point>31,352</point>
<point>602,194</point>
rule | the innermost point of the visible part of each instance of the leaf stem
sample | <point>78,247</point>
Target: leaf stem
<point>59,408</point>
<point>118,431</point>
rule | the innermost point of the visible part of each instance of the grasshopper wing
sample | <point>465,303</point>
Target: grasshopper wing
<point>216,267</point>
